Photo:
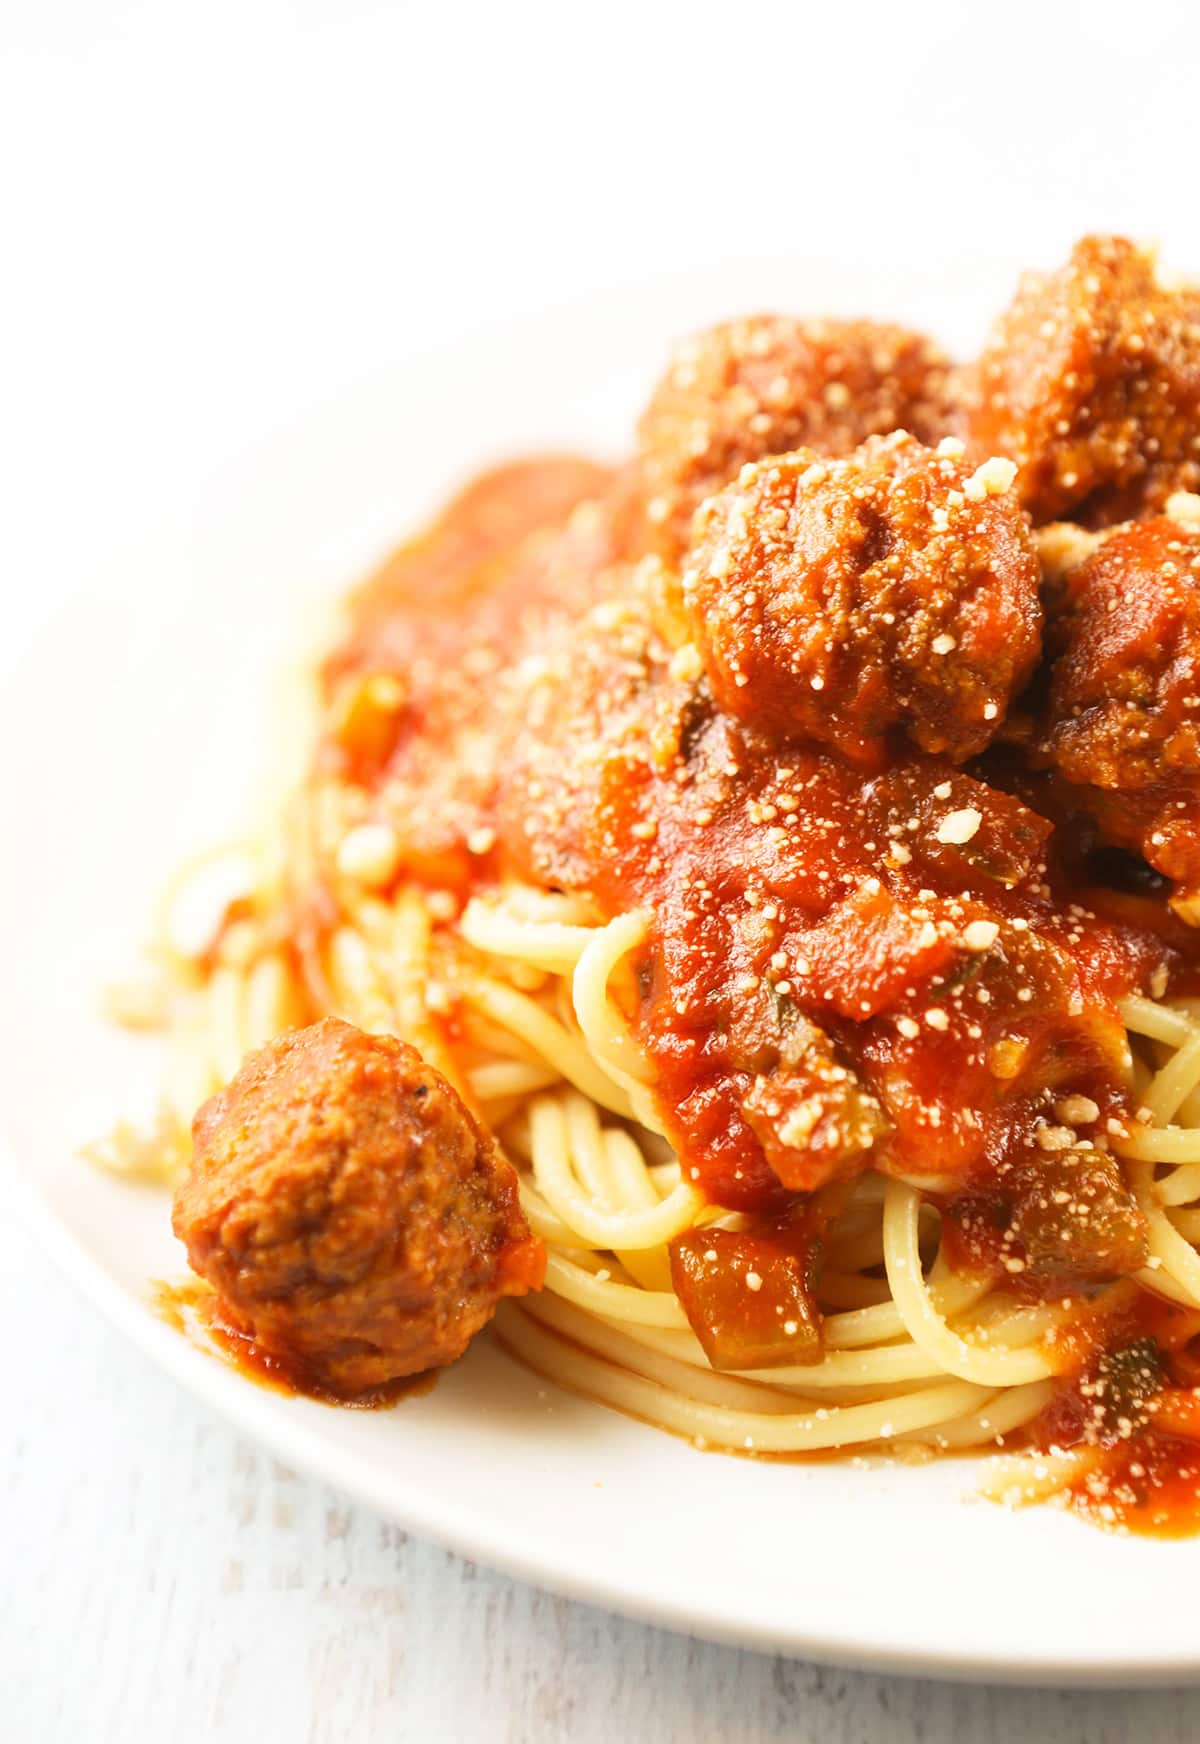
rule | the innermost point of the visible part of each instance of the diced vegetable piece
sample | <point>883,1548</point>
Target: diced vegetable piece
<point>749,1295</point>
<point>1064,1215</point>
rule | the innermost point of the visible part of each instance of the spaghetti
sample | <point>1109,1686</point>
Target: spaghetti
<point>920,1354</point>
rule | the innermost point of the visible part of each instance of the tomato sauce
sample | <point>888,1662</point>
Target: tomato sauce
<point>915,968</point>
<point>841,963</point>
<point>1128,1404</point>
<point>193,1309</point>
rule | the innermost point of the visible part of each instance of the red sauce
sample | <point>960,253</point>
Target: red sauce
<point>444,620</point>
<point>786,884</point>
<point>193,1309</point>
<point>1150,1486</point>
<point>546,733</point>
<point>916,968</point>
<point>1128,1405</point>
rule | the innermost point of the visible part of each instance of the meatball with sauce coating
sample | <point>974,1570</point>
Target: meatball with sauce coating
<point>771,383</point>
<point>840,600</point>
<point>349,1211</point>
<point>1122,721</point>
<point>1091,383</point>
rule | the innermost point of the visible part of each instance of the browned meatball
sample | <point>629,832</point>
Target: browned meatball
<point>350,1212</point>
<point>771,383</point>
<point>1123,710</point>
<point>1123,696</point>
<point>838,599</point>
<point>1091,383</point>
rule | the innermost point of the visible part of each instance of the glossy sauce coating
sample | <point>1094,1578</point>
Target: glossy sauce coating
<point>197,1312</point>
<point>1128,1404</point>
<point>417,690</point>
<point>1121,720</point>
<point>860,952</point>
<point>874,961</point>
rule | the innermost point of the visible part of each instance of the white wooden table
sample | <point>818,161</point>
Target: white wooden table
<point>161,1579</point>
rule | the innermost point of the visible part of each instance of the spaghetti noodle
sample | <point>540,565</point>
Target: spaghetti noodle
<point>920,1354</point>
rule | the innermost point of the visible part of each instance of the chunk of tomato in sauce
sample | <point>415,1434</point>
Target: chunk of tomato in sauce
<point>749,1295</point>
<point>1061,1221</point>
<point>867,950</point>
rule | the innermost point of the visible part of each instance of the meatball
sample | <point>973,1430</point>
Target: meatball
<point>769,384</point>
<point>837,600</point>
<point>349,1211</point>
<point>1091,383</point>
<point>1123,710</point>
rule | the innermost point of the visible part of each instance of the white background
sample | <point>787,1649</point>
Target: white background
<point>216,218</point>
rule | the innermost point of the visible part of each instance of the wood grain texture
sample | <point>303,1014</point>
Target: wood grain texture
<point>164,1580</point>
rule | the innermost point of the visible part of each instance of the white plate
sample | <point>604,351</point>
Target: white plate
<point>131,722</point>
